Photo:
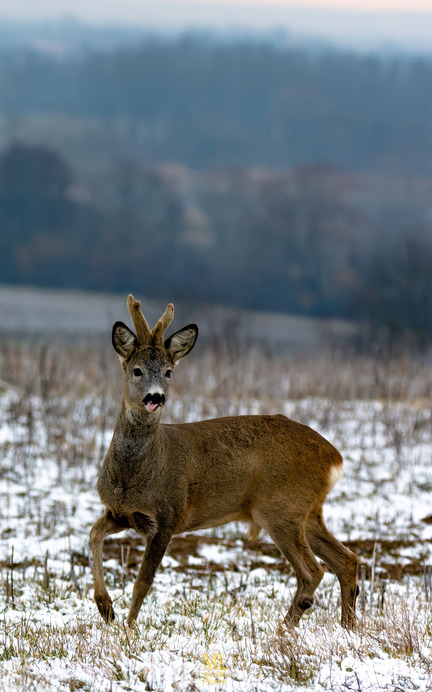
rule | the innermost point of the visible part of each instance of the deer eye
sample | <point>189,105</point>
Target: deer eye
<point>137,372</point>
<point>168,373</point>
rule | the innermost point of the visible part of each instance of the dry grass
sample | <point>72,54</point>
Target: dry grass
<point>61,407</point>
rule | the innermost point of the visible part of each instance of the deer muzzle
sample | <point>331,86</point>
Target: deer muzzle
<point>153,401</point>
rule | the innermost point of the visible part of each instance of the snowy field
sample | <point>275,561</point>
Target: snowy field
<point>212,619</point>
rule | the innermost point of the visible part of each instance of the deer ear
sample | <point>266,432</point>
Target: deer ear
<point>180,343</point>
<point>123,340</point>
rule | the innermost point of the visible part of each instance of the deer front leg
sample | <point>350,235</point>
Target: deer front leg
<point>104,526</point>
<point>153,555</point>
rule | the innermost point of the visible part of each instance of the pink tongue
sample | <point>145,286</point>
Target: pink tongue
<point>151,406</point>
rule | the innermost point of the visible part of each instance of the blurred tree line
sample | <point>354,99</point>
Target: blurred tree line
<point>305,240</point>
<point>89,200</point>
<point>211,103</point>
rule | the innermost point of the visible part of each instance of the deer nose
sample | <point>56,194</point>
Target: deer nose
<point>152,401</point>
<point>156,398</point>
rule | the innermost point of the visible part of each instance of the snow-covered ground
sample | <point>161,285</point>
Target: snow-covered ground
<point>212,619</point>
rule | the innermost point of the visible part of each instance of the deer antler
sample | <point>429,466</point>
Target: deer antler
<point>141,327</point>
<point>163,323</point>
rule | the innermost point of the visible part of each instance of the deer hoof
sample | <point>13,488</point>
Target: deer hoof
<point>106,609</point>
<point>305,604</point>
<point>349,620</point>
<point>131,623</point>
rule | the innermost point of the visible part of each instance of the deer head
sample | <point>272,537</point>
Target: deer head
<point>148,360</point>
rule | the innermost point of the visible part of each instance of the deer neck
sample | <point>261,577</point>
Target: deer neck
<point>136,435</point>
<point>132,458</point>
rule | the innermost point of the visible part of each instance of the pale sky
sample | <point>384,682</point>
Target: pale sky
<point>357,24</point>
<point>126,11</point>
<point>395,5</point>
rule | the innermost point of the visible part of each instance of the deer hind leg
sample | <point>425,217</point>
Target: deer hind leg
<point>290,537</point>
<point>340,560</point>
<point>104,526</point>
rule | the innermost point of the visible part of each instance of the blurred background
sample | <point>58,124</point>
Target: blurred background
<point>273,157</point>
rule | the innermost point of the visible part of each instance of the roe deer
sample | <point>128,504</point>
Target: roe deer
<point>161,480</point>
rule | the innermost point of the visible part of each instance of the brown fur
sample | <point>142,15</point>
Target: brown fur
<point>163,480</point>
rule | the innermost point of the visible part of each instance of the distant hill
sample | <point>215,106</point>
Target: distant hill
<point>46,313</point>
